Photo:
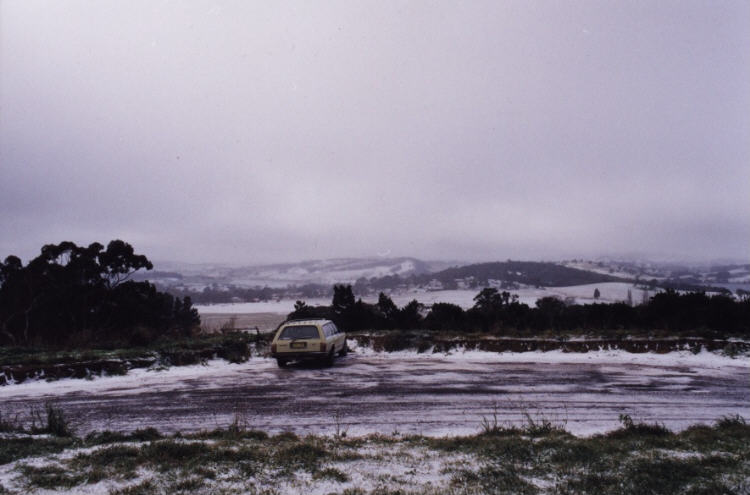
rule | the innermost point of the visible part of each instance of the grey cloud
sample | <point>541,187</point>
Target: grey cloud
<point>230,131</point>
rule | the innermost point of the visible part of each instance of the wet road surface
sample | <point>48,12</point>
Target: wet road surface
<point>406,393</point>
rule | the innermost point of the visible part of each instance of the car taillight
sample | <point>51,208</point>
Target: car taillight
<point>322,347</point>
<point>273,347</point>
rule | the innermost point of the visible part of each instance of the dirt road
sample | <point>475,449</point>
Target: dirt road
<point>403,392</point>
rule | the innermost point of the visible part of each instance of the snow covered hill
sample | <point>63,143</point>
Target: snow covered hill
<point>731,276</point>
<point>309,279</point>
<point>325,272</point>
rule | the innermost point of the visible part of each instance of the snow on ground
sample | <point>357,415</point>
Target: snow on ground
<point>136,380</point>
<point>12,480</point>
<point>704,359</point>
<point>414,468</point>
<point>582,294</point>
<point>409,468</point>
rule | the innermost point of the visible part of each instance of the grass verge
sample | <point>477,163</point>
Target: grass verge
<point>634,459</point>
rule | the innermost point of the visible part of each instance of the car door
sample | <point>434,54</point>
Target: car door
<point>338,337</point>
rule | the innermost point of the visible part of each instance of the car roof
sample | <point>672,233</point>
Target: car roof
<point>308,321</point>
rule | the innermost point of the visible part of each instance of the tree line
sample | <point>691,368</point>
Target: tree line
<point>78,295</point>
<point>501,312</point>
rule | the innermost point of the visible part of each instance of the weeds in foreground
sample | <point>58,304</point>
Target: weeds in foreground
<point>637,458</point>
<point>535,458</point>
<point>533,426</point>
<point>139,435</point>
<point>15,448</point>
<point>238,429</point>
<point>490,425</point>
<point>331,474</point>
<point>731,422</point>
<point>10,424</point>
<point>340,432</point>
<point>541,426</point>
<point>239,424</point>
<point>300,455</point>
<point>144,488</point>
<point>54,421</point>
<point>630,428</point>
<point>50,420</point>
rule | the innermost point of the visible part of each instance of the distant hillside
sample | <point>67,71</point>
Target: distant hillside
<point>513,272</point>
<point>212,283</point>
<point>318,272</point>
<point>706,277</point>
<point>343,270</point>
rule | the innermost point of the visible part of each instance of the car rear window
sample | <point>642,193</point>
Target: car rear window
<point>299,332</point>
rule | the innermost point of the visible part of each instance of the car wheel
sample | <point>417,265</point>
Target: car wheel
<point>329,359</point>
<point>281,362</point>
<point>344,350</point>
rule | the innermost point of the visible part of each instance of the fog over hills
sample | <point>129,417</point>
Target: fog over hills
<point>327,272</point>
<point>373,274</point>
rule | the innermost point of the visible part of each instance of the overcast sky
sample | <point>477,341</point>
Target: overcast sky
<point>279,131</point>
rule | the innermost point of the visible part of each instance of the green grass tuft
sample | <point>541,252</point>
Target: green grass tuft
<point>56,477</point>
<point>299,456</point>
<point>331,474</point>
<point>144,488</point>
<point>13,449</point>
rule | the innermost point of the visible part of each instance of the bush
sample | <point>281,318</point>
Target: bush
<point>141,337</point>
<point>234,351</point>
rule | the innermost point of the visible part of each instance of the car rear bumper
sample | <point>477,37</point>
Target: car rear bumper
<point>299,355</point>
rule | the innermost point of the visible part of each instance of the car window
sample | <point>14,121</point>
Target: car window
<point>299,332</point>
<point>335,328</point>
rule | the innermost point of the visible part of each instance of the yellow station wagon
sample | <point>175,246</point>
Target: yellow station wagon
<point>312,339</point>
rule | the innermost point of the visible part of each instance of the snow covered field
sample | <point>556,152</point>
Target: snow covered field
<point>430,394</point>
<point>583,294</point>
